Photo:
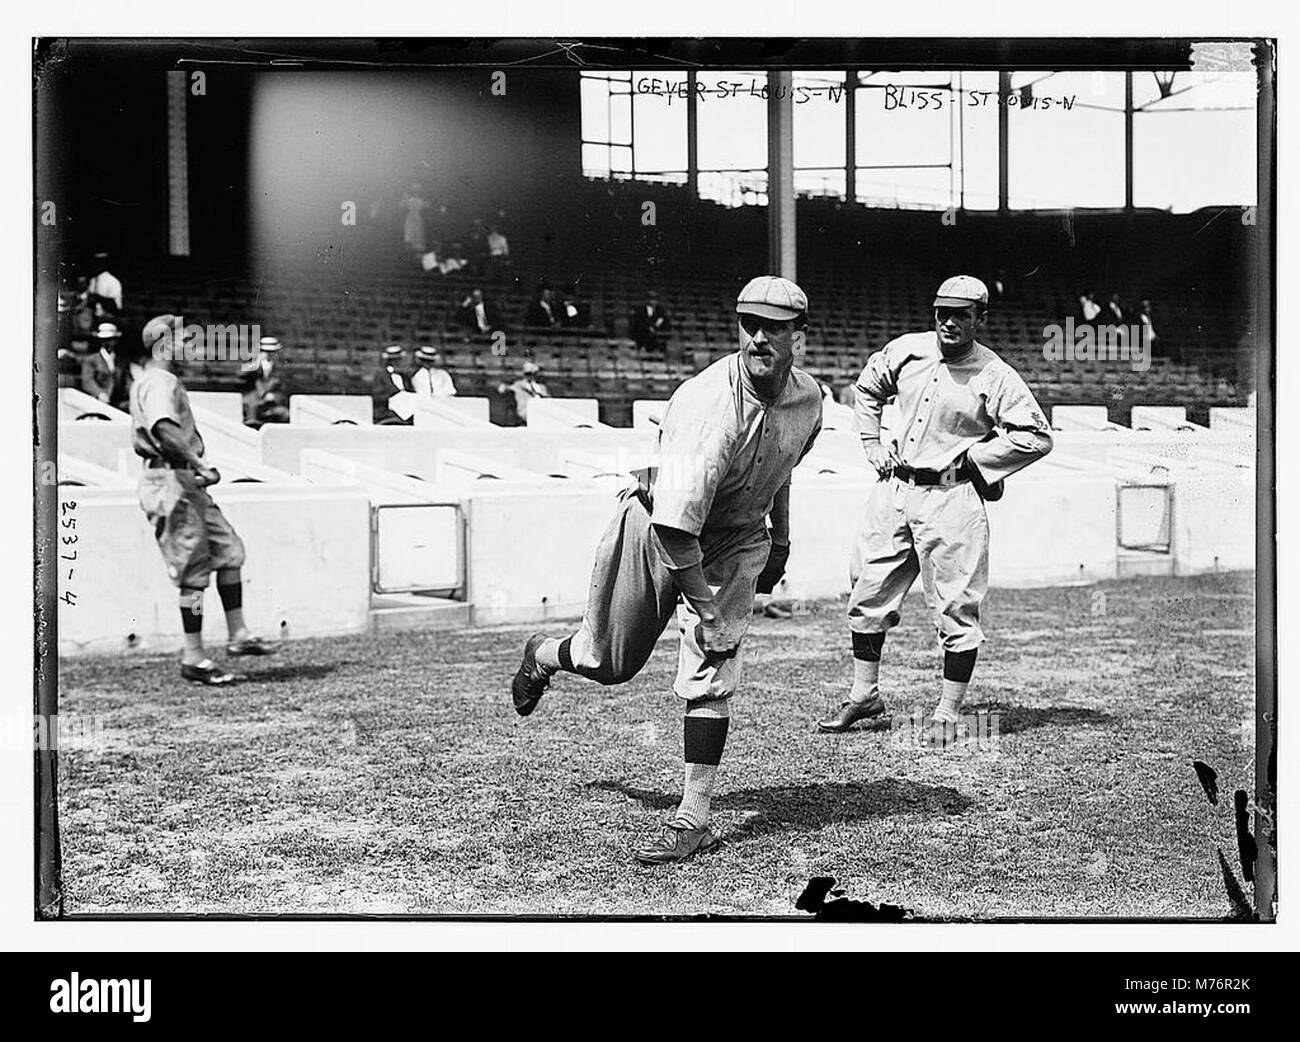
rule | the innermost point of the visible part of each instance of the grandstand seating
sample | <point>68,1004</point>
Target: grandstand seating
<point>868,273</point>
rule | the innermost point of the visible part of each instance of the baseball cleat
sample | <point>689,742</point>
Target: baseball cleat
<point>250,646</point>
<point>850,712</point>
<point>677,842</point>
<point>777,611</point>
<point>531,680</point>
<point>208,673</point>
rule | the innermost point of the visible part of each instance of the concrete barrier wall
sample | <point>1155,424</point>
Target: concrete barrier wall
<point>1081,418</point>
<point>308,567</point>
<point>409,450</point>
<point>647,412</point>
<point>563,412</point>
<point>530,553</point>
<point>1053,531</point>
<point>229,405</point>
<point>1041,533</point>
<point>322,410</point>
<point>95,442</point>
<point>1106,448</point>
<point>1214,523</point>
<point>74,403</point>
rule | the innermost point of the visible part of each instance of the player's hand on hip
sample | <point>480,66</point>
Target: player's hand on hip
<point>883,459</point>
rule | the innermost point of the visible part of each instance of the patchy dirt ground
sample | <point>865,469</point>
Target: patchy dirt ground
<point>390,775</point>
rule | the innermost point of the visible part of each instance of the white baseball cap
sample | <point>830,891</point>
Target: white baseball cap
<point>770,296</point>
<point>961,290</point>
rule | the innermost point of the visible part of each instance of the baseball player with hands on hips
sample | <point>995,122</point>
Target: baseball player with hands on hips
<point>966,421</point>
<point>194,536</point>
<point>698,534</point>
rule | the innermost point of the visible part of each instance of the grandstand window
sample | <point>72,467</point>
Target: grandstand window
<point>905,133</point>
<point>1194,140</point>
<point>659,124</point>
<point>731,135</point>
<point>606,99</point>
<point>977,142</point>
<point>819,132</point>
<point>634,125</point>
<point>1065,140</point>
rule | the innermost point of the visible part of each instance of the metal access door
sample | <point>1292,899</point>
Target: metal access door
<point>1144,518</point>
<point>417,547</point>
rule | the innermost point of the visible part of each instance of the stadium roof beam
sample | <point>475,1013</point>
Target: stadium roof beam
<point>692,143</point>
<point>1004,93</point>
<point>1128,140</point>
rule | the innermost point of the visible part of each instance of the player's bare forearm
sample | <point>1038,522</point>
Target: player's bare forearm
<point>780,516</point>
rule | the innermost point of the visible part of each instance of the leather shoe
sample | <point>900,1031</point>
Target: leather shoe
<point>677,842</point>
<point>208,673</point>
<point>850,712</point>
<point>250,646</point>
<point>531,680</point>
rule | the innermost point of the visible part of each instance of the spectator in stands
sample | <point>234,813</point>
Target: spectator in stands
<point>1089,309</point>
<point>574,314</point>
<point>525,389</point>
<point>414,205</point>
<point>102,375</point>
<point>498,252</point>
<point>478,315</point>
<point>453,259</point>
<point>998,286</point>
<point>77,315</point>
<point>1114,310</point>
<point>431,380</point>
<point>542,311</point>
<point>104,291</point>
<point>1148,327</point>
<point>650,324</point>
<point>266,399</point>
<point>69,368</point>
<point>389,380</point>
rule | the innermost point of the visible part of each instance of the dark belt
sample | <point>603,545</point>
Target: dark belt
<point>949,476</point>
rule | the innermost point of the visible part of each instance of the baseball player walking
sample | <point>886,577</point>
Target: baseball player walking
<point>194,536</point>
<point>727,443</point>
<point>966,421</point>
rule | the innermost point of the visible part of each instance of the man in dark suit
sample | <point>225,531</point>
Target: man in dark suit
<point>478,314</point>
<point>574,313</point>
<point>390,379</point>
<point>542,312</point>
<point>101,374</point>
<point>650,324</point>
<point>266,400</point>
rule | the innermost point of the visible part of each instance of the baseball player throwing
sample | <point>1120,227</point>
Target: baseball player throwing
<point>966,421</point>
<point>727,443</point>
<point>194,536</point>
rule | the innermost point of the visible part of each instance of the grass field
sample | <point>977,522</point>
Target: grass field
<point>390,775</point>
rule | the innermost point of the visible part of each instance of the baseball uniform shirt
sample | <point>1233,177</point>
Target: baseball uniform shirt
<point>723,454</point>
<point>974,403</point>
<point>194,536</point>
